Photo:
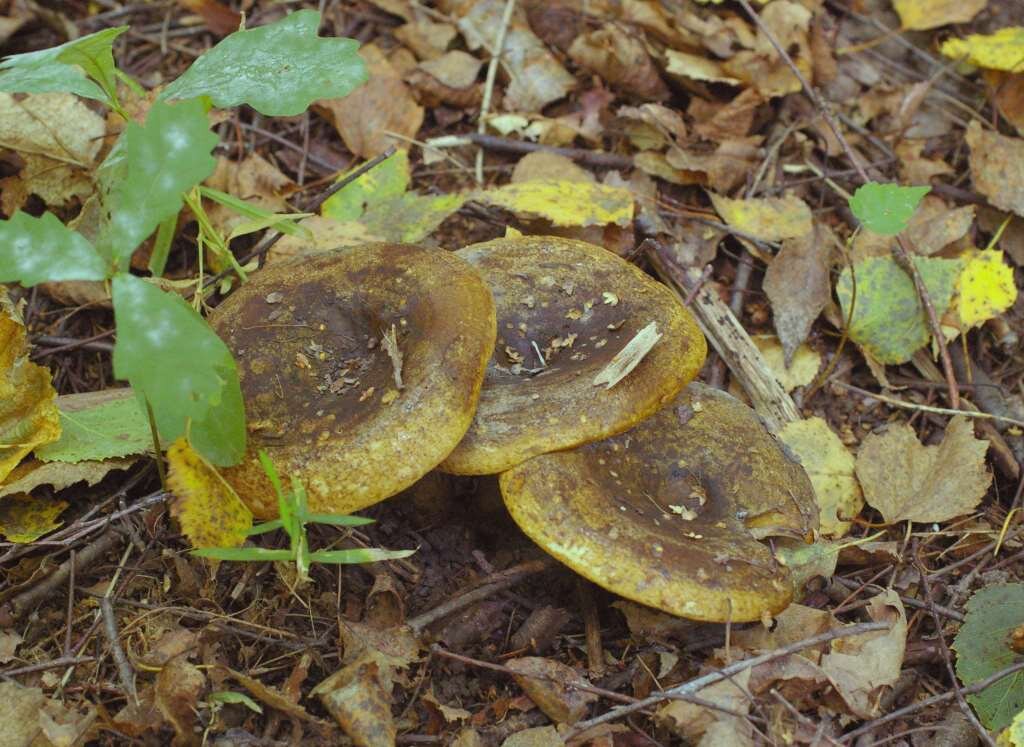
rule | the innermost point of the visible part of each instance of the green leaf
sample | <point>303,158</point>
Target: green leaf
<point>886,208</point>
<point>41,250</point>
<point>278,69</point>
<point>255,554</point>
<point>889,321</point>
<point>367,555</point>
<point>267,526</point>
<point>229,696</point>
<point>115,426</point>
<point>67,68</point>
<point>162,245</point>
<point>174,360</point>
<point>338,521</point>
<point>261,218</point>
<point>145,179</point>
<point>982,647</point>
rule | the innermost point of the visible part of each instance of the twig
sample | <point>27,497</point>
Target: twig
<point>596,158</point>
<point>492,584</point>
<point>947,658</point>
<point>687,689</point>
<point>729,340</point>
<point>926,408</point>
<point>64,661</point>
<point>492,74</point>
<point>901,253</point>
<point>125,672</point>
<point>977,687</point>
<point>16,608</point>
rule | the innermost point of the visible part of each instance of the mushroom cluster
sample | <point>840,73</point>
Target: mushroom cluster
<point>550,362</point>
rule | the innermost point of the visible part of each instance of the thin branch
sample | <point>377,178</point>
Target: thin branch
<point>687,689</point>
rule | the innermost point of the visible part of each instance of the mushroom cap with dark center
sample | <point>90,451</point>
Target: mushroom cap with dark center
<point>360,369</point>
<point>565,309</point>
<point>669,513</point>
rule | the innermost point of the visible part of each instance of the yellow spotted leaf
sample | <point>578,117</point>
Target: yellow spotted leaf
<point>210,513</point>
<point>831,468</point>
<point>1003,50</point>
<point>564,203</point>
<point>986,287</point>
<point>919,15</point>
<point>28,401</point>
<point>770,219</point>
<point>26,518</point>
<point>801,370</point>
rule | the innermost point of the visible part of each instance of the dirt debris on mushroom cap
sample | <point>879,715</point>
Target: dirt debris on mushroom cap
<point>360,369</point>
<point>565,309</point>
<point>670,513</point>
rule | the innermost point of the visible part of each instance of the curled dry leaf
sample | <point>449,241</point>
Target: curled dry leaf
<point>907,481</point>
<point>997,167</point>
<point>797,284</point>
<point>705,726</point>
<point>176,693</point>
<point>28,409</point>
<point>32,473</point>
<point>449,79</point>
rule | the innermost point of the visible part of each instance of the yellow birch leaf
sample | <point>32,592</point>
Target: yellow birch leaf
<point>564,203</point>
<point>28,401</point>
<point>986,287</point>
<point>770,219</point>
<point>920,15</point>
<point>1003,50</point>
<point>26,518</point>
<point>800,372</point>
<point>210,513</point>
<point>831,468</point>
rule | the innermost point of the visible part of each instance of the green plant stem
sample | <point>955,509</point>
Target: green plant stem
<point>157,451</point>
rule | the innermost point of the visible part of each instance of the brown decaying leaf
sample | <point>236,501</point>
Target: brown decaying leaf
<point>907,481</point>
<point>997,167</point>
<point>449,79</point>
<point>33,720</point>
<point>253,179</point>
<point>553,686</point>
<point>1008,95</point>
<point>621,59</point>
<point>176,693</point>
<point>384,104</point>
<point>797,284</point>
<point>30,474</point>
<point>426,39</point>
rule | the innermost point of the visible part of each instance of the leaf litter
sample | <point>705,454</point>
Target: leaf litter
<point>660,102</point>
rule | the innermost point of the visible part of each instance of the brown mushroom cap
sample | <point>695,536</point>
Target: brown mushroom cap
<point>320,386</point>
<point>578,305</point>
<point>669,514</point>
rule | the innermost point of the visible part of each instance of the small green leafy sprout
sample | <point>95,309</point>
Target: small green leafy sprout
<point>294,517</point>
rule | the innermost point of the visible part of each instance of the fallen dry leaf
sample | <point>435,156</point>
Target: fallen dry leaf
<point>9,642</point>
<point>28,401</point>
<point>449,79</point>
<point>797,284</point>
<point>427,39</point>
<point>33,720</point>
<point>997,167</point>
<point>707,727</point>
<point>537,77</point>
<point>553,687</point>
<point>695,67</point>
<point>761,67</point>
<point>58,137</point>
<point>621,59</point>
<point>768,219</point>
<point>920,15</point>
<point>29,475</point>
<point>26,518</point>
<point>860,666</point>
<point>831,468</point>
<point>801,369</point>
<point>538,736</point>
<point>219,18</point>
<point>1000,50</point>
<point>564,203</point>
<point>907,481</point>
<point>544,165</point>
<point>382,105</point>
<point>210,512</point>
<point>176,694</point>
<point>253,179</point>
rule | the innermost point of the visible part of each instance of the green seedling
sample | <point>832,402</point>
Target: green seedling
<point>294,516</point>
